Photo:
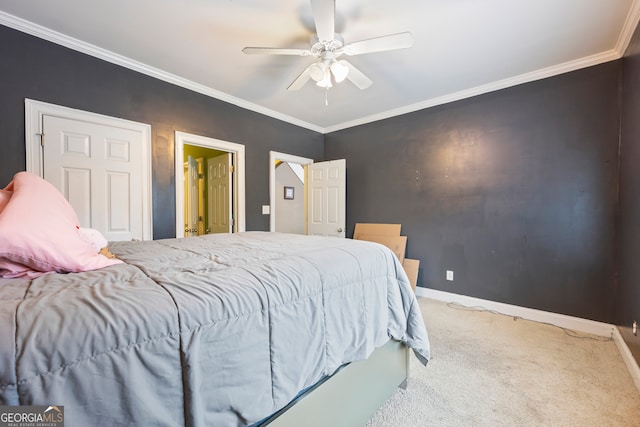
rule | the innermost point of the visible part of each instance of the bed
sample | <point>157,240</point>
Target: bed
<point>217,330</point>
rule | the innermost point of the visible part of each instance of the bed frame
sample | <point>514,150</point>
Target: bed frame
<point>352,395</point>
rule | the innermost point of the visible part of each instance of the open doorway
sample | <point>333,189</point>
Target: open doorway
<point>287,206</point>
<point>208,190</point>
<point>201,164</point>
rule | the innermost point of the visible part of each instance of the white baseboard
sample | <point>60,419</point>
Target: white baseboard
<point>568,322</point>
<point>629,360</point>
<point>561,320</point>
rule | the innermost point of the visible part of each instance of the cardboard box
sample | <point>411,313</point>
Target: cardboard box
<point>411,267</point>
<point>398,244</point>
<point>375,230</point>
<point>389,235</point>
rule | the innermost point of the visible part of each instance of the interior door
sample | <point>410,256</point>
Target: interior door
<point>96,168</point>
<point>326,202</point>
<point>219,193</point>
<point>191,191</point>
<point>201,198</point>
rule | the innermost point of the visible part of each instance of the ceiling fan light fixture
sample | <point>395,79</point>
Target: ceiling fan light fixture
<point>340,70</point>
<point>318,71</point>
<point>325,82</point>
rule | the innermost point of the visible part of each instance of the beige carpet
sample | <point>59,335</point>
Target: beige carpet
<point>489,369</point>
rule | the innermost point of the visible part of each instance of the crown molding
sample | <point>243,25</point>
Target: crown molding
<point>630,25</point>
<point>114,58</point>
<point>479,90</point>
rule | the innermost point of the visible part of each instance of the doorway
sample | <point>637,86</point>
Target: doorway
<point>281,208</point>
<point>324,196</point>
<point>208,191</point>
<point>197,201</point>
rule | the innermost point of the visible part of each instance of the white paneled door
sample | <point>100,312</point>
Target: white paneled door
<point>326,202</point>
<point>219,194</point>
<point>97,168</point>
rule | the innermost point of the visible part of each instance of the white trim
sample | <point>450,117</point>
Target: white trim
<point>629,27</point>
<point>273,157</point>
<point>480,90</point>
<point>47,34</point>
<point>114,58</point>
<point>560,320</point>
<point>629,360</point>
<point>182,138</point>
<point>34,110</point>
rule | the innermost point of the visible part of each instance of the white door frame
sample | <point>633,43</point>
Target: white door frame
<point>35,110</point>
<point>182,138</point>
<point>283,157</point>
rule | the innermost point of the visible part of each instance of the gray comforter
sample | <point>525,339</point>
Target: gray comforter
<point>218,330</point>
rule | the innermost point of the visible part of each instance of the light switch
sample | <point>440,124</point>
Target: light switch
<point>266,209</point>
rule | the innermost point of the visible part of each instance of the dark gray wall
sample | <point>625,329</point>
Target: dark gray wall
<point>628,303</point>
<point>36,69</point>
<point>516,190</point>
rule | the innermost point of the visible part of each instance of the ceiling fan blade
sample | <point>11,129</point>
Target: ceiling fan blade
<point>357,77</point>
<point>324,12</point>
<point>276,51</point>
<point>301,80</point>
<point>379,44</point>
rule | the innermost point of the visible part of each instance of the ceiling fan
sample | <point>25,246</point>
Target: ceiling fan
<point>327,46</point>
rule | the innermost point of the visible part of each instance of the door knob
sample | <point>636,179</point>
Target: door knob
<point>339,230</point>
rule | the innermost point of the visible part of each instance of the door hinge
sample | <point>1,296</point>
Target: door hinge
<point>41,135</point>
<point>231,169</point>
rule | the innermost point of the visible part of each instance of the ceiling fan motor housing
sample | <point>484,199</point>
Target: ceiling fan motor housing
<point>318,47</point>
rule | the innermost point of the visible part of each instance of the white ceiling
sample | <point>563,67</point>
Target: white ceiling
<point>461,47</point>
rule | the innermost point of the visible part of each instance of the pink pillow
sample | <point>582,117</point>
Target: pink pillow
<point>5,195</point>
<point>40,232</point>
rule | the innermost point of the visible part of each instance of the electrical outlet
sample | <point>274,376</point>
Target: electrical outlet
<point>450,275</point>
